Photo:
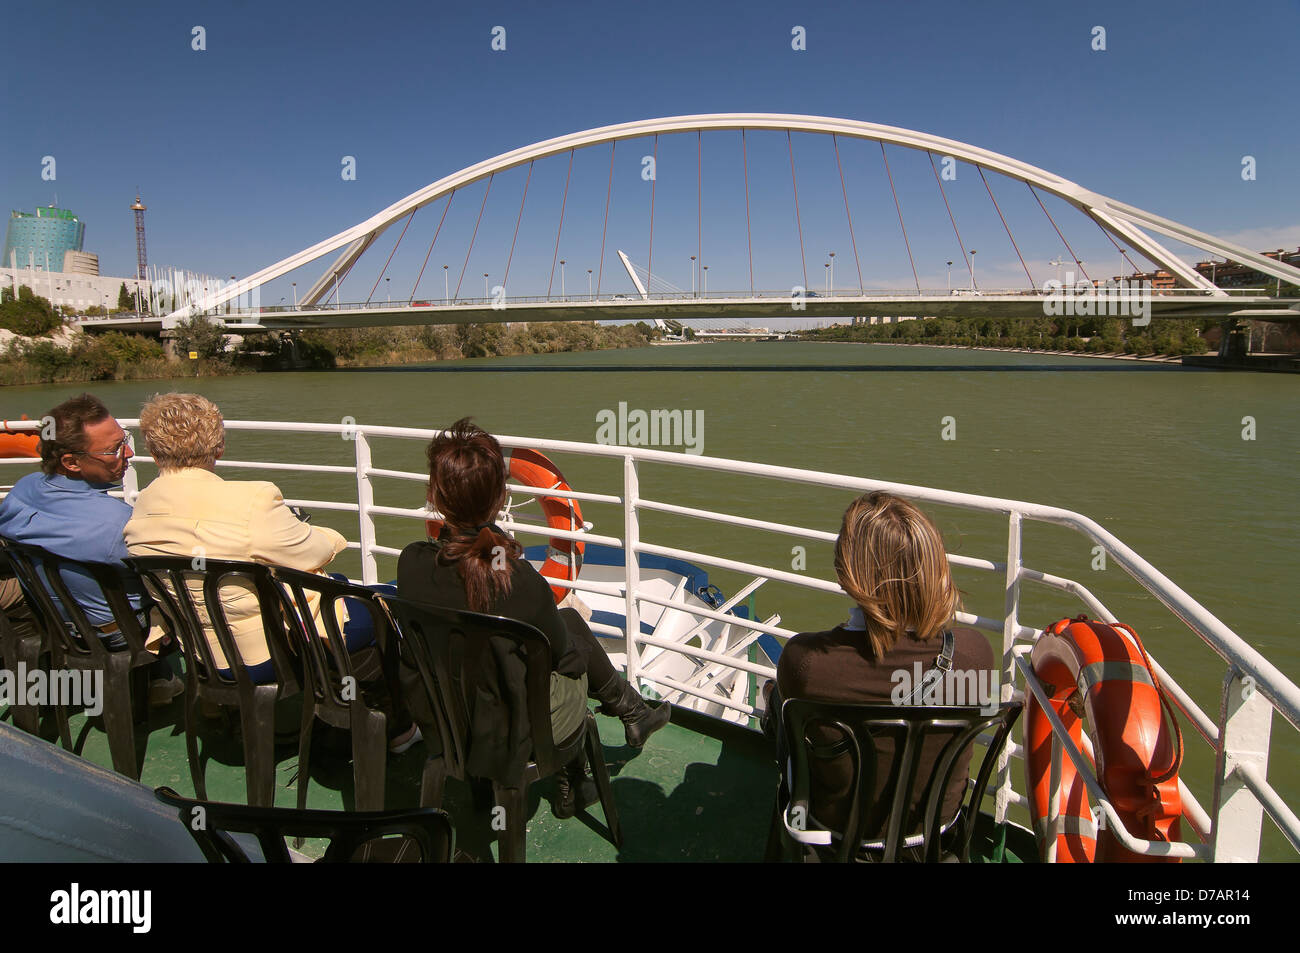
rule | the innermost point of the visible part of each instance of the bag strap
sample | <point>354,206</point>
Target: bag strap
<point>942,666</point>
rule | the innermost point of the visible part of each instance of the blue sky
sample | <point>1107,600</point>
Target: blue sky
<point>237,148</point>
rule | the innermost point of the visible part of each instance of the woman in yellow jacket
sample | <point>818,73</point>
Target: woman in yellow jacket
<point>190,511</point>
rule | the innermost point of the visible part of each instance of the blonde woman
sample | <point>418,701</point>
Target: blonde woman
<point>189,509</point>
<point>890,560</point>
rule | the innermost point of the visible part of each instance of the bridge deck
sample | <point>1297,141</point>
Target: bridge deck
<point>480,311</point>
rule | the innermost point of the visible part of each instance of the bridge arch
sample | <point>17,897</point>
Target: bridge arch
<point>1118,218</point>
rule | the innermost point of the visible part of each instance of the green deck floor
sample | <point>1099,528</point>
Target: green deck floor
<point>699,791</point>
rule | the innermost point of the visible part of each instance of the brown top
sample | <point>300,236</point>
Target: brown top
<point>836,666</point>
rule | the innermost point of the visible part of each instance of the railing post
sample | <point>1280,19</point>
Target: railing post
<point>1245,723</point>
<point>1010,626</point>
<point>632,567</point>
<point>130,486</point>
<point>365,500</point>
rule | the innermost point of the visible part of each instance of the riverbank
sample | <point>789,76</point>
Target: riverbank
<point>1105,355</point>
<point>72,356</point>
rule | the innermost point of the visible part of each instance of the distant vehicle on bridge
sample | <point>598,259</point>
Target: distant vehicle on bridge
<point>421,304</point>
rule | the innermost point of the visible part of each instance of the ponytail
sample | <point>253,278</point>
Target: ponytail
<point>483,561</point>
<point>467,484</point>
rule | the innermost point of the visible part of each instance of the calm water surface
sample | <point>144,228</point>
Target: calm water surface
<point>1154,453</point>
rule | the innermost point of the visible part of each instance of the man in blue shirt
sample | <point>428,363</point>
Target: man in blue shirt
<point>66,509</point>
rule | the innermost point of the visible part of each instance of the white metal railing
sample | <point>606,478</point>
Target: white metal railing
<point>1252,689</point>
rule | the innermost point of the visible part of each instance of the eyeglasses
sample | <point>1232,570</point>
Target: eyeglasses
<point>118,451</point>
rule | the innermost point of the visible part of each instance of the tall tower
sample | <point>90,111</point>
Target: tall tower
<point>141,259</point>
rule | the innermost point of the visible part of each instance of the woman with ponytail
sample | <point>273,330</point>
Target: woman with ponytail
<point>477,566</point>
<point>891,562</point>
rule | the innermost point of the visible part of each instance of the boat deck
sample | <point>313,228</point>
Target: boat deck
<point>700,791</point>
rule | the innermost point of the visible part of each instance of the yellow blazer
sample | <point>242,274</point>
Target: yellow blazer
<point>195,513</point>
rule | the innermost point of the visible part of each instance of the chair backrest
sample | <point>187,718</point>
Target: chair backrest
<point>325,657</point>
<point>188,592</point>
<point>409,835</point>
<point>473,667</point>
<point>857,729</point>
<point>73,638</point>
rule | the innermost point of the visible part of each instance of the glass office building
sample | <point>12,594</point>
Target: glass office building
<point>39,239</point>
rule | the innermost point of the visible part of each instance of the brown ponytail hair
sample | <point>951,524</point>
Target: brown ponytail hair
<point>890,560</point>
<point>467,485</point>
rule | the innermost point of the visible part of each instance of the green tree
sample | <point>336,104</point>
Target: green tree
<point>206,338</point>
<point>125,300</point>
<point>29,314</point>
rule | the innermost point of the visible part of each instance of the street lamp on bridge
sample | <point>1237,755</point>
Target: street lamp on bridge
<point>589,283</point>
<point>973,253</point>
<point>950,276</point>
<point>295,295</point>
<point>692,276</point>
<point>446,288</point>
<point>562,292</point>
<point>831,289</point>
<point>827,273</point>
<point>485,287</point>
<point>704,280</point>
<point>388,289</point>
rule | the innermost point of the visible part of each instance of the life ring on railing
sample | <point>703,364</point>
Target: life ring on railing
<point>535,469</point>
<point>1102,671</point>
<point>19,443</point>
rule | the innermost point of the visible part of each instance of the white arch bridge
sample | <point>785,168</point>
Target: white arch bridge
<point>1130,230</point>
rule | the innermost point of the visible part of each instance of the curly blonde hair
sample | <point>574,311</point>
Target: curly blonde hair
<point>183,430</point>
<point>890,560</point>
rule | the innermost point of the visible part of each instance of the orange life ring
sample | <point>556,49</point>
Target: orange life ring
<point>1102,671</point>
<point>19,443</point>
<point>535,469</point>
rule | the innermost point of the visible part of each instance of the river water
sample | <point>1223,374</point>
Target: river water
<point>1193,469</point>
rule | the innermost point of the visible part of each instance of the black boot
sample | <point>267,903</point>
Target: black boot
<point>574,790</point>
<point>640,721</point>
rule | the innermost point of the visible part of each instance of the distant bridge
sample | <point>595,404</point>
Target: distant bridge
<point>1127,228</point>
<point>1191,305</point>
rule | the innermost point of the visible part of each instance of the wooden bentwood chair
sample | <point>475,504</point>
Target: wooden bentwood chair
<point>463,660</point>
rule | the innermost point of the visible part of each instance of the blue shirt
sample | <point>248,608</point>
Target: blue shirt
<point>76,520</point>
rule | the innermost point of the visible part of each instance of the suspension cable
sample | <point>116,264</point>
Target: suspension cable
<point>1122,252</point>
<point>798,224</point>
<point>390,254</point>
<point>518,219</point>
<point>563,202</point>
<point>951,218</point>
<point>699,196</point>
<point>744,155</point>
<point>650,257</point>
<point>609,189</point>
<point>1073,256</point>
<point>416,286</point>
<point>470,250</point>
<point>845,192</point>
<point>1008,230</point>
<point>899,208</point>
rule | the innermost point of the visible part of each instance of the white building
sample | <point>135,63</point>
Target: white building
<point>74,290</point>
